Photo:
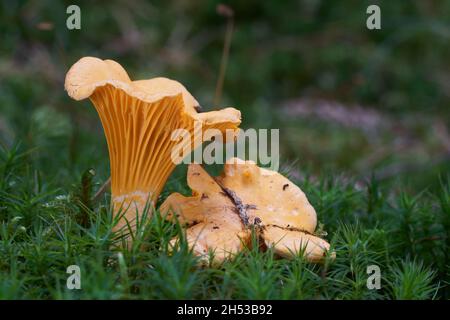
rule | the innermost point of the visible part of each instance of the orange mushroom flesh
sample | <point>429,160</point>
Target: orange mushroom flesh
<point>139,118</point>
<point>221,210</point>
<point>210,216</point>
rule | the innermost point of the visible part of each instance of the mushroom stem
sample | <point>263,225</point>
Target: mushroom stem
<point>139,149</point>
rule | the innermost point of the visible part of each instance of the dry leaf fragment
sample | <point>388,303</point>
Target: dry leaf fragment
<point>246,195</point>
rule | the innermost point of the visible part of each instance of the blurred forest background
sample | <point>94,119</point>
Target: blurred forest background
<point>349,101</point>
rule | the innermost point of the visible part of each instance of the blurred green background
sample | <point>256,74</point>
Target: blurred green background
<point>348,101</point>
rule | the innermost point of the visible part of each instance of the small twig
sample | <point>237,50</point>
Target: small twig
<point>102,190</point>
<point>241,208</point>
<point>228,13</point>
<point>433,238</point>
<point>290,229</point>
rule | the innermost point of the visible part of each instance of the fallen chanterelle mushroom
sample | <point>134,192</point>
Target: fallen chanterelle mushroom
<point>222,208</point>
<point>138,118</point>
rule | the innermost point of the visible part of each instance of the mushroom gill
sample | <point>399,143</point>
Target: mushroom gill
<point>139,118</point>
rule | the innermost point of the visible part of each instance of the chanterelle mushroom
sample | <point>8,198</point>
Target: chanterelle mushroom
<point>222,208</point>
<point>138,118</point>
